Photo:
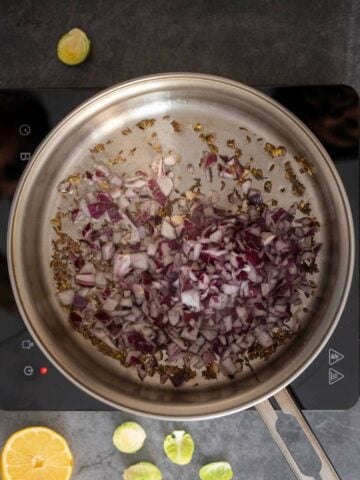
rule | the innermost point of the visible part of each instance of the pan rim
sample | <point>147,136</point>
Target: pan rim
<point>315,143</point>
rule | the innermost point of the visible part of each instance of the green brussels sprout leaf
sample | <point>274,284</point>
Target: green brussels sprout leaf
<point>216,471</point>
<point>73,47</point>
<point>129,437</point>
<point>179,447</point>
<point>142,471</point>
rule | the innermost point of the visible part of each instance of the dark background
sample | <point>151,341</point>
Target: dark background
<point>256,42</point>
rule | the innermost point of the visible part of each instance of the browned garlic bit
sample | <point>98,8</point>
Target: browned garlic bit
<point>297,187</point>
<point>176,126</point>
<point>273,151</point>
<point>100,147</point>
<point>146,123</point>
<point>306,166</point>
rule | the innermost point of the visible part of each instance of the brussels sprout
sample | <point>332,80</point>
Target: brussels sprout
<point>179,447</point>
<point>142,471</point>
<point>216,471</point>
<point>73,47</point>
<point>129,437</point>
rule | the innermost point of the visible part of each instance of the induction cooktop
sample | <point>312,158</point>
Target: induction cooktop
<point>30,382</point>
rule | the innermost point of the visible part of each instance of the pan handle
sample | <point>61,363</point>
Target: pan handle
<point>288,406</point>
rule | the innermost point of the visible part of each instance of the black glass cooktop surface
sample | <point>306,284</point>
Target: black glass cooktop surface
<point>30,382</point>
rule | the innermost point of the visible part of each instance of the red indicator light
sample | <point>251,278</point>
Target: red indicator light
<point>43,370</point>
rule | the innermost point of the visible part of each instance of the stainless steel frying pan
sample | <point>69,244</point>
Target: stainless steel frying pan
<point>221,106</point>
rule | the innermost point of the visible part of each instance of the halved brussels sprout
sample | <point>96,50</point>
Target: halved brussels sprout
<point>129,437</point>
<point>142,471</point>
<point>73,47</point>
<point>216,471</point>
<point>179,447</point>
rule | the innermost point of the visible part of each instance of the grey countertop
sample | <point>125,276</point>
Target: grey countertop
<point>256,42</point>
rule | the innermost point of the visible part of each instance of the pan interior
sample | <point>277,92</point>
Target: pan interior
<point>221,107</point>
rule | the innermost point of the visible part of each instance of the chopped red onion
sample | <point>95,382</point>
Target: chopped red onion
<point>228,365</point>
<point>79,301</point>
<point>230,289</point>
<point>246,186</point>
<point>139,293</point>
<point>167,230</point>
<point>110,304</point>
<point>208,159</point>
<point>159,274</point>
<point>102,170</point>
<point>157,193</point>
<point>263,337</point>
<point>191,298</point>
<point>170,160</point>
<point>75,319</point>
<point>218,302</point>
<point>122,264</point>
<point>216,236</point>
<point>166,185</point>
<point>97,210</point>
<point>140,260</point>
<point>66,297</point>
<point>135,182</point>
<point>107,250</point>
<point>85,279</point>
<point>100,278</point>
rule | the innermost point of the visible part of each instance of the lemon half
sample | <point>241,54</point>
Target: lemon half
<point>36,453</point>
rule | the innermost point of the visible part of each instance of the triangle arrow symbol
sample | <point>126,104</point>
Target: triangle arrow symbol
<point>334,356</point>
<point>334,376</point>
